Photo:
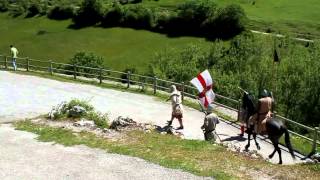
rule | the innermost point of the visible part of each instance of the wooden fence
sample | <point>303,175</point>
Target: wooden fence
<point>129,79</point>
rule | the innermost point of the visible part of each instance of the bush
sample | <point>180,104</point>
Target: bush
<point>87,60</point>
<point>61,12</point>
<point>99,119</point>
<point>138,16</point>
<point>193,13</point>
<point>33,9</point>
<point>4,5</point>
<point>230,21</point>
<point>20,8</point>
<point>77,109</point>
<point>17,11</point>
<point>82,103</point>
<point>113,16</point>
<point>90,13</point>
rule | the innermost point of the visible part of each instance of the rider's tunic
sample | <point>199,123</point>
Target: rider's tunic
<point>264,113</point>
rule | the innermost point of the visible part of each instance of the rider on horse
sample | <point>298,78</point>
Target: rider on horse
<point>264,112</point>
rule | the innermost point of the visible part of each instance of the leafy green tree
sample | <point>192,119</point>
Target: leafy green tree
<point>4,5</point>
<point>90,13</point>
<point>85,60</point>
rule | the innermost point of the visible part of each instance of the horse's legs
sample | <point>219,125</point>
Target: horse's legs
<point>250,130</point>
<point>275,143</point>
<point>274,151</point>
<point>279,152</point>
<point>255,140</point>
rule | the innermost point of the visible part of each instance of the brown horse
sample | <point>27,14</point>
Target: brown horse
<point>275,129</point>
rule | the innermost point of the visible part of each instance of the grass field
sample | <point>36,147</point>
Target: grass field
<point>121,47</point>
<point>286,15</point>
<point>282,16</point>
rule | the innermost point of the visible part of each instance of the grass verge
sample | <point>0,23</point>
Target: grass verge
<point>197,157</point>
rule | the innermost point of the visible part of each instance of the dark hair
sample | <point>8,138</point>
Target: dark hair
<point>11,45</point>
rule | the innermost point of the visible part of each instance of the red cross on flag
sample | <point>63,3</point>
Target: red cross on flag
<point>203,82</point>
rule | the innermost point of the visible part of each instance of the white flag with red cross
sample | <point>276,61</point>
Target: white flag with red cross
<point>203,82</point>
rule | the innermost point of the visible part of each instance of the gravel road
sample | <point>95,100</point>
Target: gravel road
<point>23,157</point>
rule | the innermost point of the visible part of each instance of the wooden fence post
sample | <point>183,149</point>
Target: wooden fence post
<point>315,137</point>
<point>51,68</point>
<point>28,64</point>
<point>154,84</point>
<point>100,76</point>
<point>128,79</point>
<point>239,109</point>
<point>74,71</point>
<point>6,62</point>
<point>182,90</point>
<point>274,114</point>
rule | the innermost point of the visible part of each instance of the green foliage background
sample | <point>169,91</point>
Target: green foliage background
<point>247,61</point>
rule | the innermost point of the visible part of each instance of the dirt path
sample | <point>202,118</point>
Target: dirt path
<point>22,156</point>
<point>28,96</point>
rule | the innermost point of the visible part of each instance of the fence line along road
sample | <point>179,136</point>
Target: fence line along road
<point>155,83</point>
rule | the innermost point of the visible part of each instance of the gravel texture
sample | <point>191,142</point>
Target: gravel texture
<point>22,157</point>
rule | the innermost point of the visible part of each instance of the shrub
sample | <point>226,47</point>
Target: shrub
<point>87,60</point>
<point>33,9</point>
<point>194,13</point>
<point>90,13</point>
<point>75,108</point>
<point>113,16</point>
<point>17,11</point>
<point>230,21</point>
<point>20,8</point>
<point>138,16</point>
<point>99,119</point>
<point>76,102</point>
<point>187,19</point>
<point>4,5</point>
<point>61,12</point>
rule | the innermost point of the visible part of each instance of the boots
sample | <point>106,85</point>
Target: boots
<point>241,130</point>
<point>169,123</point>
<point>181,127</point>
<point>181,124</point>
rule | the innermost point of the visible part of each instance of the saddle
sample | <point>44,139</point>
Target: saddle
<point>259,121</point>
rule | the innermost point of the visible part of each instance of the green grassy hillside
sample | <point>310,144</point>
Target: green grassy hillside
<point>120,47</point>
<point>288,15</point>
<point>281,16</point>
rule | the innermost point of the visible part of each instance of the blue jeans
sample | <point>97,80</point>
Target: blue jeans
<point>14,63</point>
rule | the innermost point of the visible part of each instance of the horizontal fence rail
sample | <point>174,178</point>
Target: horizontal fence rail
<point>106,75</point>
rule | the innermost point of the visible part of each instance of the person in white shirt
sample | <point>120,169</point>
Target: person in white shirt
<point>14,54</point>
<point>177,108</point>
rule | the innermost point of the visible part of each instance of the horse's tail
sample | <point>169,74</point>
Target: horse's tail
<point>287,140</point>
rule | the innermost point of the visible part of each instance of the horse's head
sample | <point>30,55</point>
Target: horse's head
<point>248,103</point>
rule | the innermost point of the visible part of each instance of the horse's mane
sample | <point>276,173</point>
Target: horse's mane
<point>248,103</point>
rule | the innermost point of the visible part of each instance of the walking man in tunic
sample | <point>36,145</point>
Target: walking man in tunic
<point>209,125</point>
<point>14,54</point>
<point>177,108</point>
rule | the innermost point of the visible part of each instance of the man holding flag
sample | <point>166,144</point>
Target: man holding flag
<point>203,82</point>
